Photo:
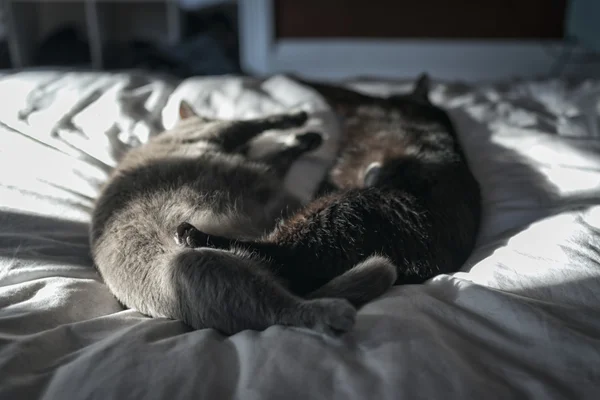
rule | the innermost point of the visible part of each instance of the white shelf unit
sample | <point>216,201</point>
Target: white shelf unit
<point>28,22</point>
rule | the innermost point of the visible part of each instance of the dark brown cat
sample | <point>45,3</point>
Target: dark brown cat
<point>401,189</point>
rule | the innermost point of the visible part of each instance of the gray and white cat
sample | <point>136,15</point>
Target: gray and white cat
<point>198,172</point>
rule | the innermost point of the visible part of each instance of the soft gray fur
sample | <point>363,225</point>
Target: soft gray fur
<point>198,172</point>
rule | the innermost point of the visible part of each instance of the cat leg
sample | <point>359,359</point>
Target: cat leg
<point>238,133</point>
<point>187,235</point>
<point>230,134</point>
<point>362,283</point>
<point>359,285</point>
<point>232,292</point>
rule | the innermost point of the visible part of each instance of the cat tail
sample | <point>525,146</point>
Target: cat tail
<point>232,291</point>
<point>362,283</point>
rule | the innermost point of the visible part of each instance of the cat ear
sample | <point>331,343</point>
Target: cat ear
<point>371,174</point>
<point>422,87</point>
<point>186,110</point>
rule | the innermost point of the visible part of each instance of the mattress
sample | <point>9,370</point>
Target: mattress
<point>520,320</point>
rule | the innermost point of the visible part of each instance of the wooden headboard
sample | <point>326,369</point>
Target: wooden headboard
<point>470,40</point>
<point>439,19</point>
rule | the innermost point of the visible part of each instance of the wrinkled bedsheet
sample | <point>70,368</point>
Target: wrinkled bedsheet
<point>520,320</point>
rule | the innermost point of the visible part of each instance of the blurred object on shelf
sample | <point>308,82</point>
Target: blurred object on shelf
<point>183,39</point>
<point>64,46</point>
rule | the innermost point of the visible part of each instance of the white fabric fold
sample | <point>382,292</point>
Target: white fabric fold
<point>520,320</point>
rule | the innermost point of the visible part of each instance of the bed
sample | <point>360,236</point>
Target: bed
<point>520,320</point>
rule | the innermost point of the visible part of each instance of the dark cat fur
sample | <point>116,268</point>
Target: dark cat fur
<point>400,189</point>
<point>198,173</point>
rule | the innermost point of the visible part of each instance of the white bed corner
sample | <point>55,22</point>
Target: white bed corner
<point>521,320</point>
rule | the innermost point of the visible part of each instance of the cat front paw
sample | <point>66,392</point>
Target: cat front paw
<point>187,235</point>
<point>310,141</point>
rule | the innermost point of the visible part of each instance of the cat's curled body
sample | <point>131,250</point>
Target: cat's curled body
<point>401,188</point>
<point>198,172</point>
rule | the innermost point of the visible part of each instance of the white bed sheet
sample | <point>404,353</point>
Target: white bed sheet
<point>521,320</point>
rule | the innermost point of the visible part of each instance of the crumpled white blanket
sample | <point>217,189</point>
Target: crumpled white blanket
<point>521,320</point>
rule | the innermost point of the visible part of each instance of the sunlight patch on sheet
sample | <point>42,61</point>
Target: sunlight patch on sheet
<point>543,258</point>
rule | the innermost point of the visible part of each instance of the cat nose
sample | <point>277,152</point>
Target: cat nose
<point>371,174</point>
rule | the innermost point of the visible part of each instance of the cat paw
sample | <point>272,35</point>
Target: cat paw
<point>188,236</point>
<point>309,141</point>
<point>332,317</point>
<point>295,119</point>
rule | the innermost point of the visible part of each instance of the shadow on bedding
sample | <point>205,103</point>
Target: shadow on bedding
<point>514,193</point>
<point>40,238</point>
<point>554,251</point>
